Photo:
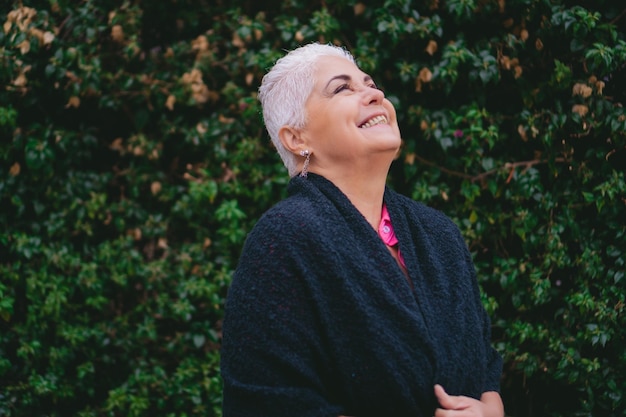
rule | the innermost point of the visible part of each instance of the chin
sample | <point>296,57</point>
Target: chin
<point>396,143</point>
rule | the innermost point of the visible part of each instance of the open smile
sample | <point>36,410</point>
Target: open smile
<point>376,120</point>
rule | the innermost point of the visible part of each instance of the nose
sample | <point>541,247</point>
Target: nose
<point>372,95</point>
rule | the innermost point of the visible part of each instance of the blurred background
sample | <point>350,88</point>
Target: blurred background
<point>134,161</point>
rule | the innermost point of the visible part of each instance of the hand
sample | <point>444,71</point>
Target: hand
<point>490,404</point>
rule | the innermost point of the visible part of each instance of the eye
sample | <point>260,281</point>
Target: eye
<point>340,88</point>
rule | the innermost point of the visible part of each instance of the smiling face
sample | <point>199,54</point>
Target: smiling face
<point>350,123</point>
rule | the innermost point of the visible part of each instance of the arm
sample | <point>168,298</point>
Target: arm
<point>272,356</point>
<point>490,403</point>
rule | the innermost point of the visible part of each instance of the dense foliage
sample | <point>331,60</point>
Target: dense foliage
<point>133,161</point>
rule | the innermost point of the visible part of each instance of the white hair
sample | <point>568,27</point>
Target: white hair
<point>285,89</point>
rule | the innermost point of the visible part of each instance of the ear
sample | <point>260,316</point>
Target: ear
<point>291,139</point>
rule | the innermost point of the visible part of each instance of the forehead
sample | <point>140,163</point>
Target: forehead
<point>328,67</point>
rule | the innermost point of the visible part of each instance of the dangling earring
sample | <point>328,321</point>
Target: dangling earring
<point>305,166</point>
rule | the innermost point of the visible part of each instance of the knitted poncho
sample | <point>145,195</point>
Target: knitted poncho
<point>321,321</point>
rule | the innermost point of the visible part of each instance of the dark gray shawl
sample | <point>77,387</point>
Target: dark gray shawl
<point>321,321</point>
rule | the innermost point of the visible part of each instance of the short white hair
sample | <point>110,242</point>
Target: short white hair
<point>285,89</point>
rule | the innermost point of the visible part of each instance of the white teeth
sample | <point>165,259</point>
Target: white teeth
<point>374,121</point>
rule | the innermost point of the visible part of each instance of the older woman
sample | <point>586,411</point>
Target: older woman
<point>350,299</point>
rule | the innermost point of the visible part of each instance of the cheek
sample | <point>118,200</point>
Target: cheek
<point>389,107</point>
<point>315,117</point>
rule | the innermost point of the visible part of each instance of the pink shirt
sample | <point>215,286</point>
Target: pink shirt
<point>386,233</point>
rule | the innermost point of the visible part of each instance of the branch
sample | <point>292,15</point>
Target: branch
<point>622,14</point>
<point>479,177</point>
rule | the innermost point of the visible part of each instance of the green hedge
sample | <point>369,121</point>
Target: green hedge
<point>133,162</point>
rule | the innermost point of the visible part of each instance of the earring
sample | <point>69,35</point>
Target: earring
<point>305,166</point>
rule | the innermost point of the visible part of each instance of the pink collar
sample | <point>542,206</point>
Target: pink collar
<point>385,229</point>
<point>386,233</point>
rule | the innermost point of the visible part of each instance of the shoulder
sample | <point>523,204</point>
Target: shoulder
<point>309,207</point>
<point>284,227</point>
<point>291,213</point>
<point>278,252</point>
<point>268,248</point>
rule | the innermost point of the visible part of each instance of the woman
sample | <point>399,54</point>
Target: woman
<point>350,299</point>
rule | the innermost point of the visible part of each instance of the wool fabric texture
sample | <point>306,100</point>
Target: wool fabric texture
<point>321,321</point>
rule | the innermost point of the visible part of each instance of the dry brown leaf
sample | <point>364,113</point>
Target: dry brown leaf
<point>15,169</point>
<point>600,87</point>
<point>237,41</point>
<point>505,62</point>
<point>193,76</point>
<point>583,90</point>
<point>71,76</point>
<point>431,48</point>
<point>523,35</point>
<point>24,46</point>
<point>225,120</point>
<point>116,145</point>
<point>117,33</point>
<point>20,81</point>
<point>201,128</point>
<point>169,103</point>
<point>73,102</point>
<point>200,93</point>
<point>48,38</point>
<point>37,33</point>
<point>425,75</point>
<point>201,44</point>
<point>521,130</point>
<point>418,85</point>
<point>581,109</point>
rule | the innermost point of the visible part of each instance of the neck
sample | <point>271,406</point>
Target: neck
<point>364,188</point>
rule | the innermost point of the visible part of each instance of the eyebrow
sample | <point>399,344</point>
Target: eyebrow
<point>345,77</point>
